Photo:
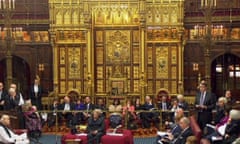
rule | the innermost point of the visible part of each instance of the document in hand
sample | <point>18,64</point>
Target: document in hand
<point>161,133</point>
<point>221,129</point>
<point>216,138</point>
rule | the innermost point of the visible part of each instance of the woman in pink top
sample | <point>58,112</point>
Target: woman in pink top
<point>129,107</point>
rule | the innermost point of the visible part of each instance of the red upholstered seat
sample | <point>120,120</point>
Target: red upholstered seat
<point>20,131</point>
<point>71,136</point>
<point>195,128</point>
<point>126,138</point>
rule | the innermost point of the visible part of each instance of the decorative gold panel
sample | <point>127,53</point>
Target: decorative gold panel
<point>117,46</point>
<point>62,73</point>
<point>136,86</point>
<point>78,85</point>
<point>158,84</point>
<point>166,84</point>
<point>135,55</point>
<point>150,72</point>
<point>150,86</point>
<point>70,85</point>
<point>162,62</point>
<point>99,36</point>
<point>62,87</point>
<point>62,55</point>
<point>149,53</point>
<point>174,72</point>
<point>136,72</point>
<point>74,62</point>
<point>164,13</point>
<point>99,55</point>
<point>115,15</point>
<point>161,34</point>
<point>100,85</point>
<point>174,87</point>
<point>135,36</point>
<point>73,36</point>
<point>174,55</point>
<point>99,72</point>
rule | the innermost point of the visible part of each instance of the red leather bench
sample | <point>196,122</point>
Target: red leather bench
<point>126,138</point>
<point>195,128</point>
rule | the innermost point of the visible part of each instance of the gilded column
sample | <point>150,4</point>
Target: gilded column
<point>143,84</point>
<point>180,59</point>
<point>87,22</point>
<point>54,47</point>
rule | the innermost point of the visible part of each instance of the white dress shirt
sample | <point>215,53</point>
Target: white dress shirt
<point>17,139</point>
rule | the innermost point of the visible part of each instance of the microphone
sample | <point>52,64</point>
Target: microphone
<point>115,130</point>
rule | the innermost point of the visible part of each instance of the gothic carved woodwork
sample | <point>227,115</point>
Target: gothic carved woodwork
<point>98,42</point>
<point>118,46</point>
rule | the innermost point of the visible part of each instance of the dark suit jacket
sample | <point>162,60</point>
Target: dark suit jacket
<point>181,139</point>
<point>209,101</point>
<point>3,98</point>
<point>36,100</point>
<point>91,107</point>
<point>98,125</point>
<point>11,104</point>
<point>183,105</point>
<point>72,106</point>
<point>161,105</point>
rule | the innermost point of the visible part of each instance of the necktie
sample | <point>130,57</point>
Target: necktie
<point>202,98</point>
<point>164,106</point>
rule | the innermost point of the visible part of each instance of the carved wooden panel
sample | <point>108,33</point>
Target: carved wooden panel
<point>116,56</point>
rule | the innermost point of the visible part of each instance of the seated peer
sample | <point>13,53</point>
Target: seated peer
<point>129,111</point>
<point>182,103</point>
<point>232,129</point>
<point>185,133</point>
<point>178,114</point>
<point>150,114</point>
<point>7,136</point>
<point>214,132</point>
<point>115,110</point>
<point>164,106</point>
<point>67,106</point>
<point>220,112</point>
<point>52,116</point>
<point>89,107</point>
<point>78,117</point>
<point>96,127</point>
<point>174,130</point>
<point>100,105</point>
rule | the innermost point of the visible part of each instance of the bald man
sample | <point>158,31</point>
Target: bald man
<point>7,136</point>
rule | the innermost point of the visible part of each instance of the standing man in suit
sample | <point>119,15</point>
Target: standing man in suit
<point>204,103</point>
<point>3,95</point>
<point>36,94</point>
